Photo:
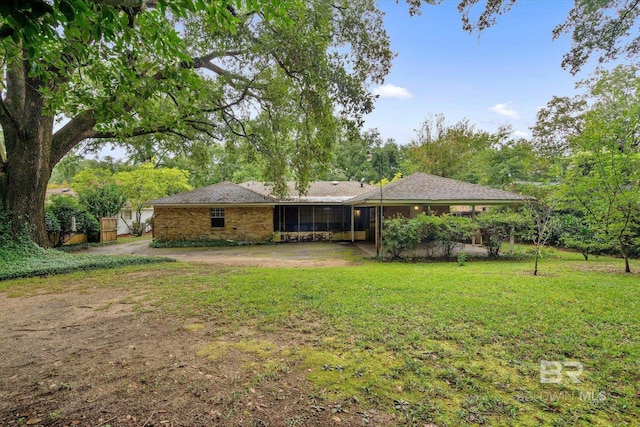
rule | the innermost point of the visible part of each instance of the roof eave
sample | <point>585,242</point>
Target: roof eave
<point>212,205</point>
<point>450,202</point>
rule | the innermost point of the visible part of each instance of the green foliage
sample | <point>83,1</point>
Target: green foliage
<point>147,183</point>
<point>462,258</point>
<point>66,169</point>
<point>556,124</point>
<point>453,231</point>
<point>52,222</point>
<point>14,264</point>
<point>447,150</point>
<point>89,178</point>
<point>446,232</point>
<point>429,227</point>
<point>68,212</point>
<point>399,234</point>
<point>602,178</point>
<point>605,28</point>
<point>572,232</point>
<point>497,226</point>
<point>586,242</point>
<point>15,247</point>
<point>103,201</point>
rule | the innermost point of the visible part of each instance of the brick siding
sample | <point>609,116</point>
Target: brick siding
<point>240,223</point>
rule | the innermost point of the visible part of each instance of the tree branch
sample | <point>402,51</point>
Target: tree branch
<point>618,23</point>
<point>76,130</point>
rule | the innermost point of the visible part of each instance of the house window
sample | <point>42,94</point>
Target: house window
<point>126,215</point>
<point>217,217</point>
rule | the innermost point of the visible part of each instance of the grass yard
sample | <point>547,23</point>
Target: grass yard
<point>411,344</point>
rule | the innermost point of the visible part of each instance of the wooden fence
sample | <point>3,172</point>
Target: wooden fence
<point>108,229</point>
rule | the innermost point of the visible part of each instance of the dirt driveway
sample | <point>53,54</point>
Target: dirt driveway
<point>100,356</point>
<point>91,359</point>
<point>305,254</point>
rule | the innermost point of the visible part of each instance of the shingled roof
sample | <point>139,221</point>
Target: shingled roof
<point>335,192</point>
<point>216,194</point>
<point>424,188</point>
<point>418,188</point>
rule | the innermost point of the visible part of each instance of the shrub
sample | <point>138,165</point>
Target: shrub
<point>462,258</point>
<point>52,223</point>
<point>428,227</point>
<point>400,234</point>
<point>454,230</point>
<point>64,209</point>
<point>497,226</point>
<point>585,241</point>
<point>446,231</point>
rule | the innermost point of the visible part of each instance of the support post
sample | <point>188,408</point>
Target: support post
<point>473,217</point>
<point>512,241</point>
<point>353,225</point>
<point>298,223</point>
<point>377,232</point>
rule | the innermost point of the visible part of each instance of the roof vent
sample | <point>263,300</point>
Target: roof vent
<point>334,182</point>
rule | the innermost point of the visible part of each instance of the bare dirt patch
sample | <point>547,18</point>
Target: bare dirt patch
<point>285,255</point>
<point>91,359</point>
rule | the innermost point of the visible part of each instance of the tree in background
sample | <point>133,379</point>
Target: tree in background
<point>102,201</point>
<point>451,151</point>
<point>349,157</point>
<point>603,177</point>
<point>146,183</point>
<point>556,123</point>
<point>90,178</point>
<point>511,162</point>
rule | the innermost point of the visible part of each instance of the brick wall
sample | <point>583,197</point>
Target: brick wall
<point>240,223</point>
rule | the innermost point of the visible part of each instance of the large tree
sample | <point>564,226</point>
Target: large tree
<point>273,76</point>
<point>603,178</point>
<point>450,150</point>
<point>270,73</point>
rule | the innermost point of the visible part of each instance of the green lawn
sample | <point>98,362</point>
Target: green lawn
<point>434,343</point>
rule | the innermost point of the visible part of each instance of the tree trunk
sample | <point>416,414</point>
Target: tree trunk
<point>32,148</point>
<point>627,268</point>
<point>27,128</point>
<point>27,173</point>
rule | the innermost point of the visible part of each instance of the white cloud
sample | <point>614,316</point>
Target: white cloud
<point>392,91</point>
<point>505,110</point>
<point>520,134</point>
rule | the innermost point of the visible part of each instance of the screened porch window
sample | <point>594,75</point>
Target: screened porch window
<point>217,217</point>
<point>312,218</point>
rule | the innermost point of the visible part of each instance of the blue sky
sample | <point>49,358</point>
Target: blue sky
<point>501,76</point>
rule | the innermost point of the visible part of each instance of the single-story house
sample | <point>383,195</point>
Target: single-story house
<point>330,210</point>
